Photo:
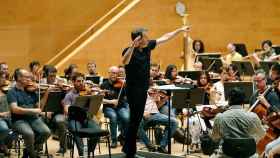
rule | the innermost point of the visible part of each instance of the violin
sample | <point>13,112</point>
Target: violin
<point>5,85</point>
<point>119,83</point>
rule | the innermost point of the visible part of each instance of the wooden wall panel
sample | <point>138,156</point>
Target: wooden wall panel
<point>216,22</point>
<point>37,30</point>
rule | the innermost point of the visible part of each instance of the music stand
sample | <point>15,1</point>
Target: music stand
<point>245,68</point>
<point>266,65</point>
<point>241,49</point>
<point>277,49</point>
<point>53,103</point>
<point>171,88</point>
<point>212,64</point>
<point>188,99</point>
<point>194,75</point>
<point>246,86</point>
<point>159,82</point>
<point>94,79</point>
<point>207,55</point>
<point>90,102</point>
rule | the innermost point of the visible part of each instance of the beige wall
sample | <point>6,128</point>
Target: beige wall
<point>216,22</point>
<point>37,30</point>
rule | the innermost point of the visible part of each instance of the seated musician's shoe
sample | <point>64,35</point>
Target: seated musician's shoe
<point>25,154</point>
<point>151,148</point>
<point>121,139</point>
<point>60,151</point>
<point>114,144</point>
<point>162,150</point>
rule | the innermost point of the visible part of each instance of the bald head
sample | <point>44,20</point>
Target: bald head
<point>231,47</point>
<point>113,73</point>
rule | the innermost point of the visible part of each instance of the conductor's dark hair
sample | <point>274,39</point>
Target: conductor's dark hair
<point>236,96</point>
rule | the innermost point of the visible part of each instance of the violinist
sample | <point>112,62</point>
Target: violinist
<point>236,123</point>
<point>25,111</point>
<point>5,119</point>
<point>115,106</point>
<point>233,74</point>
<point>70,71</point>
<point>217,95</point>
<point>155,72</point>
<point>274,73</point>
<point>58,119</point>
<point>203,81</point>
<point>53,80</point>
<point>34,67</point>
<point>4,69</point>
<point>172,77</point>
<point>69,100</point>
<point>121,71</point>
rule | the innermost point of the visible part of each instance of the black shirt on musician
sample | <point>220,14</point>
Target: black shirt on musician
<point>138,69</point>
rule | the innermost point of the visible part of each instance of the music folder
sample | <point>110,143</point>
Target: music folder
<point>90,102</point>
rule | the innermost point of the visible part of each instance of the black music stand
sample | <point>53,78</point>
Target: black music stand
<point>172,89</point>
<point>241,49</point>
<point>188,99</point>
<point>53,103</point>
<point>91,103</point>
<point>207,55</point>
<point>212,64</point>
<point>94,79</point>
<point>246,86</point>
<point>245,68</point>
<point>194,75</point>
<point>159,82</point>
<point>266,65</point>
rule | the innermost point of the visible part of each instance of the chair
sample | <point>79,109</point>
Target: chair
<point>239,147</point>
<point>79,114</point>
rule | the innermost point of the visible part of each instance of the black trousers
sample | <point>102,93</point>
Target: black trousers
<point>136,97</point>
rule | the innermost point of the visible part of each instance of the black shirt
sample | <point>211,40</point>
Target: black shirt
<point>23,99</point>
<point>113,94</point>
<point>138,69</point>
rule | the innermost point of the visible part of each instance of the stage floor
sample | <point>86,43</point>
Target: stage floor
<point>176,151</point>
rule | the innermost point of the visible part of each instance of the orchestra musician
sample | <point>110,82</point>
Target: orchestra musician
<point>5,118</point>
<point>270,99</point>
<point>274,73</point>
<point>152,116</point>
<point>203,81</point>
<point>198,48</point>
<point>4,69</point>
<point>232,55</point>
<point>25,111</point>
<point>34,67</point>
<point>155,72</point>
<point>115,106</point>
<point>136,59</point>
<point>172,77</point>
<point>267,54</point>
<point>58,119</point>
<point>69,100</point>
<point>70,71</point>
<point>121,71</point>
<point>233,74</point>
<point>91,68</point>
<point>236,123</point>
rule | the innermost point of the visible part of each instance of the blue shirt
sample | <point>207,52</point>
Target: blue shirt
<point>23,99</point>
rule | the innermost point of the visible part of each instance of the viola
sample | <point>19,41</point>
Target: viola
<point>5,85</point>
<point>210,113</point>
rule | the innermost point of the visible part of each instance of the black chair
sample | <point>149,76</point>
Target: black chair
<point>79,114</point>
<point>239,147</point>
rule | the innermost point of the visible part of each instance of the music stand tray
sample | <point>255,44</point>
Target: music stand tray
<point>245,68</point>
<point>90,102</point>
<point>246,86</point>
<point>53,103</point>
